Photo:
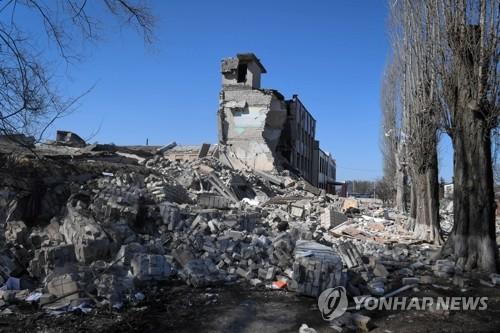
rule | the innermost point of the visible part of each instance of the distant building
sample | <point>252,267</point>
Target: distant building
<point>326,172</point>
<point>259,129</point>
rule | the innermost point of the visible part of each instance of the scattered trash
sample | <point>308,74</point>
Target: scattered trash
<point>306,329</point>
<point>139,297</point>
<point>280,284</point>
<point>34,296</point>
<point>83,308</point>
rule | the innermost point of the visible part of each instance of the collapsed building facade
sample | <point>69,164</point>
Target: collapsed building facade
<point>259,129</point>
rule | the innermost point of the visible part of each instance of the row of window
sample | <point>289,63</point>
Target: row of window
<point>303,163</point>
<point>322,185</point>
<point>326,168</point>
<point>305,121</point>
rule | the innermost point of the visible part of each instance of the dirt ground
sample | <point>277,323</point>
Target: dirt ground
<point>179,308</point>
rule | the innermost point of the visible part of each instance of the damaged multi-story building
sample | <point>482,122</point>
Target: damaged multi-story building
<point>260,129</point>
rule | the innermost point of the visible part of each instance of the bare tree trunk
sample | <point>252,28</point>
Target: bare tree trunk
<point>472,94</point>
<point>413,204</point>
<point>472,239</point>
<point>400,183</point>
<point>449,50</point>
<point>427,203</point>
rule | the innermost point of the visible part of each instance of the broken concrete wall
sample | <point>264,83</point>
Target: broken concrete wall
<point>251,123</point>
<point>242,71</point>
<point>250,120</point>
<point>230,66</point>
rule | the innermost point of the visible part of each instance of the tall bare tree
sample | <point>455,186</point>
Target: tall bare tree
<point>29,98</point>
<point>412,48</point>
<point>423,119</point>
<point>495,138</point>
<point>391,145</point>
<point>467,66</point>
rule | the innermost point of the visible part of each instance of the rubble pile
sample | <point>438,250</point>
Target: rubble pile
<point>94,233</point>
<point>102,231</point>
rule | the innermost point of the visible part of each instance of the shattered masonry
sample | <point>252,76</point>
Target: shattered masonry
<point>259,129</point>
<point>103,225</point>
<point>101,220</point>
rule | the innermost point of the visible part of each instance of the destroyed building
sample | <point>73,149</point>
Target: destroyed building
<point>259,129</point>
<point>251,119</point>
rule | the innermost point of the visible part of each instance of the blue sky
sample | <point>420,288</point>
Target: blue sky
<point>331,53</point>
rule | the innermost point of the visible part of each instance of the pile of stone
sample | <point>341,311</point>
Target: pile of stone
<point>104,233</point>
<point>111,231</point>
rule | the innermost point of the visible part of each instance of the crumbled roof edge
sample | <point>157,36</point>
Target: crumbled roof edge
<point>248,56</point>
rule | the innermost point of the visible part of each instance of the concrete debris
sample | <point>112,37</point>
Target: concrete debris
<point>150,267</point>
<point>379,270</point>
<point>88,238</point>
<point>495,279</point>
<point>163,149</point>
<point>108,226</point>
<point>201,272</point>
<point>332,218</point>
<point>316,268</point>
<point>114,288</point>
<point>361,322</point>
<point>426,279</point>
<point>350,204</point>
<point>127,252</point>
<point>349,253</point>
<point>65,285</point>
<point>306,329</point>
<point>16,232</point>
<point>48,259</point>
<point>211,200</point>
<point>70,139</point>
<point>444,268</point>
<point>170,214</point>
<point>410,280</point>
